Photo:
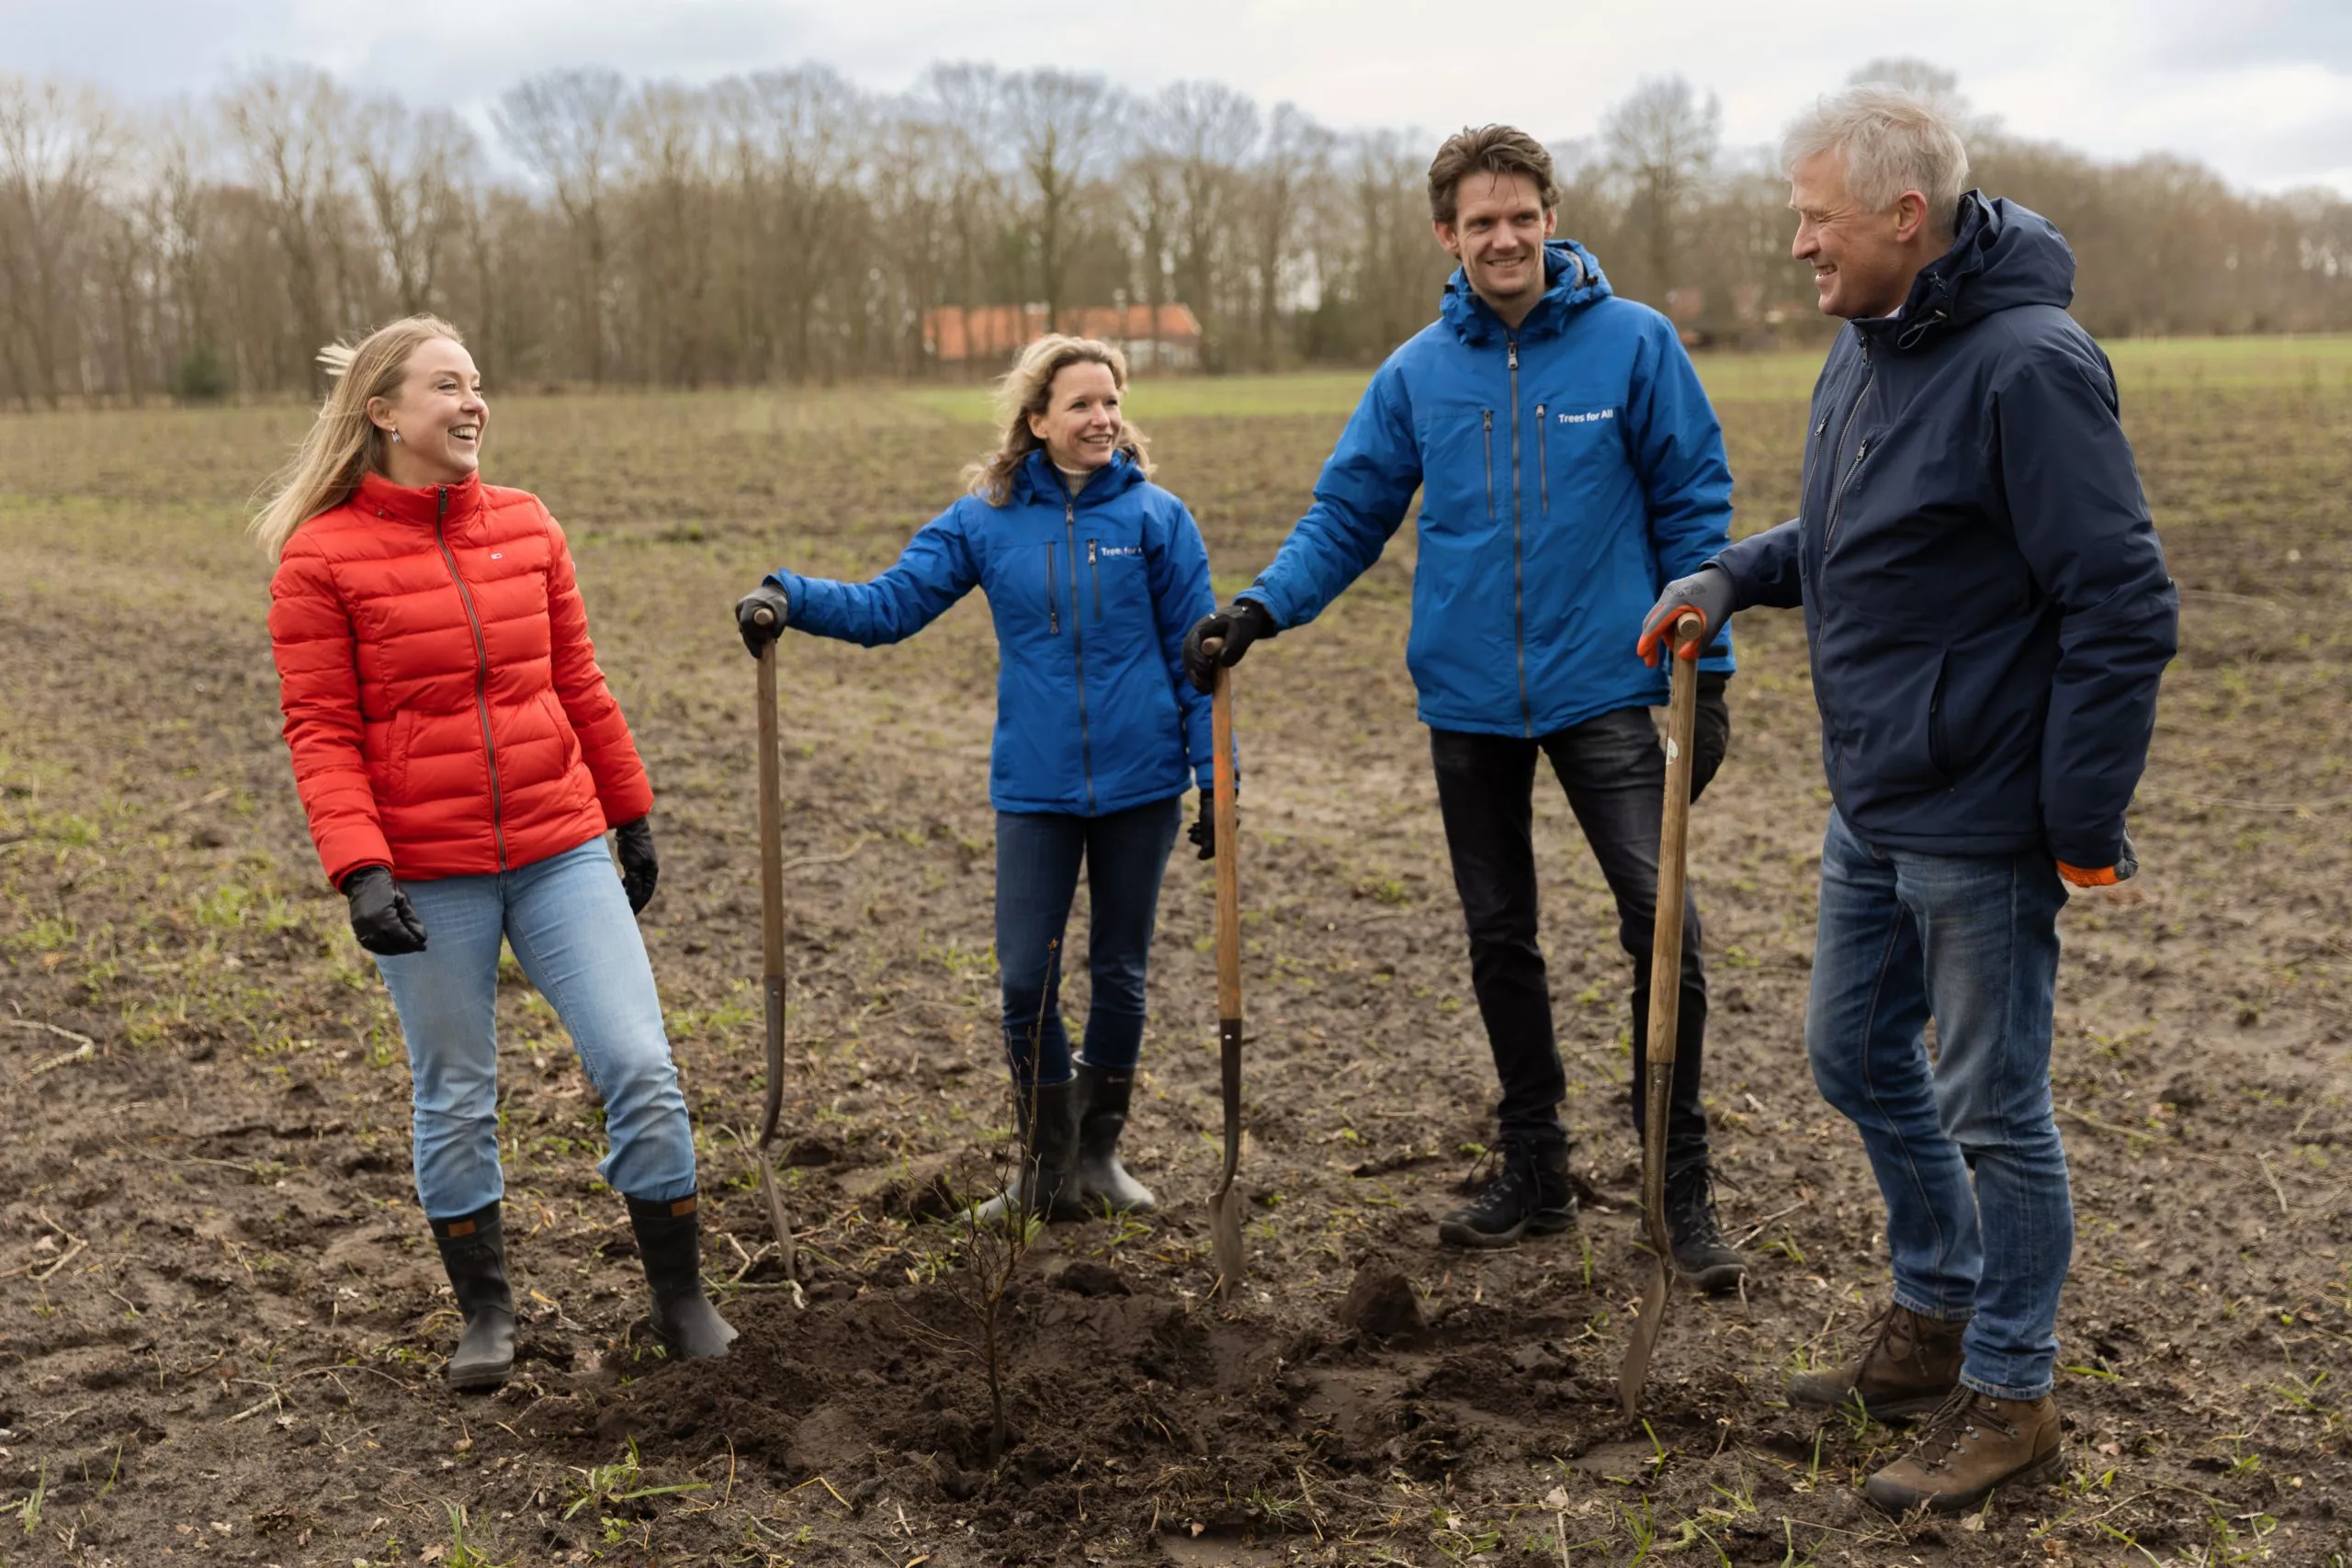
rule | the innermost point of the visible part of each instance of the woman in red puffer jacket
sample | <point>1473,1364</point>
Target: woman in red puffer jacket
<point>460,759</point>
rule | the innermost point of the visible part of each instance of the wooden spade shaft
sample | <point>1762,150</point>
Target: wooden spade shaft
<point>1665,1003</point>
<point>771,942</point>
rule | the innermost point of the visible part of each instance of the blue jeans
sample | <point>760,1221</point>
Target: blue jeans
<point>1037,861</point>
<point>1971,941</point>
<point>572,931</point>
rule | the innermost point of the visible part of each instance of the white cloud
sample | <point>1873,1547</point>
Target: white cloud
<point>2258,88</point>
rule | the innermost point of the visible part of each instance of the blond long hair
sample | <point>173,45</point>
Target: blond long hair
<point>342,443</point>
<point>1026,390</point>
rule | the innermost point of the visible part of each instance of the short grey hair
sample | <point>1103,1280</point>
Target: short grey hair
<point>1891,140</point>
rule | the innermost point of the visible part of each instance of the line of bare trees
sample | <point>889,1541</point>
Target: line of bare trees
<point>787,226</point>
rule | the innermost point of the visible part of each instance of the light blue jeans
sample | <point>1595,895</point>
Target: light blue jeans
<point>571,929</point>
<point>1979,1218</point>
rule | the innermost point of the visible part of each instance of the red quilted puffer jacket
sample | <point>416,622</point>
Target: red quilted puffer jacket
<point>442,699</point>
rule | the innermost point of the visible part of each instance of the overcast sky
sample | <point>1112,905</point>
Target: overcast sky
<point>2259,89</point>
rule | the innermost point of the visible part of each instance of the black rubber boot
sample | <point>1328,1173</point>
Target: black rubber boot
<point>473,1250</point>
<point>1042,1185</point>
<point>1527,1193</point>
<point>669,1243</point>
<point>1702,1255</point>
<point>1098,1178</point>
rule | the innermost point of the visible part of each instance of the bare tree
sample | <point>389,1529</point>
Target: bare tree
<point>1064,126</point>
<point>1208,131</point>
<point>1661,141</point>
<point>284,122</point>
<point>414,170</point>
<point>56,143</point>
<point>565,126</point>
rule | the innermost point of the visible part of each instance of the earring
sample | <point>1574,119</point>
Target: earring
<point>396,438</point>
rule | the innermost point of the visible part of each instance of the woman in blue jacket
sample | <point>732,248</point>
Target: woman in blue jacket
<point>1093,574</point>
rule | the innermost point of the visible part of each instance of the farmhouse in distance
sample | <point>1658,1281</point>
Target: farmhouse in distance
<point>1153,337</point>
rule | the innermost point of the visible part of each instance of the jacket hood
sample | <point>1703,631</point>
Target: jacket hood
<point>1573,279</point>
<point>379,497</point>
<point>1037,479</point>
<point>2005,256</point>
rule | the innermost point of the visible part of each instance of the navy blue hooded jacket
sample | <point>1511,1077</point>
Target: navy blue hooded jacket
<point>1984,592</point>
<point>1567,471</point>
<point>1091,595</point>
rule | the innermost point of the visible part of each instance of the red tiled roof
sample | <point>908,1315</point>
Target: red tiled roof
<point>995,332</point>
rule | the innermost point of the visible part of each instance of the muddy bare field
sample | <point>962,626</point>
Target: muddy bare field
<point>220,1317</point>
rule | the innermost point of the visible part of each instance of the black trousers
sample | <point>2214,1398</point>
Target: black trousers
<point>1613,770</point>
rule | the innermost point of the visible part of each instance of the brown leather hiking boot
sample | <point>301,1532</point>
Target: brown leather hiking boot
<point>1972,1444</point>
<point>1911,1366</point>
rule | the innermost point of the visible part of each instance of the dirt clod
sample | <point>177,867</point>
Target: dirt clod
<point>1381,1303</point>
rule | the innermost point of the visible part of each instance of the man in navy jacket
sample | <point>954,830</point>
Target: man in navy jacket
<point>1568,463</point>
<point>1989,615</point>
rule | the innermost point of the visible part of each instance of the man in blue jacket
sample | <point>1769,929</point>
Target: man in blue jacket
<point>1568,463</point>
<point>1989,615</point>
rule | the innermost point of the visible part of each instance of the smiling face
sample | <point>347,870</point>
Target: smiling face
<point>1082,423</point>
<point>1863,262</point>
<point>438,415</point>
<point>1497,233</point>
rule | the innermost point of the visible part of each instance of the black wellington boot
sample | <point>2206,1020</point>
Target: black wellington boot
<point>669,1243</point>
<point>1042,1184</point>
<point>1098,1179</point>
<point>473,1250</point>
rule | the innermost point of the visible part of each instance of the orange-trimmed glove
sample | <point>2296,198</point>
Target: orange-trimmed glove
<point>1708,590</point>
<point>2126,865</point>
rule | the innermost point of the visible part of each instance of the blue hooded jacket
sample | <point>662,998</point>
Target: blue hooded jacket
<point>1984,592</point>
<point>1567,471</point>
<point>1092,596</point>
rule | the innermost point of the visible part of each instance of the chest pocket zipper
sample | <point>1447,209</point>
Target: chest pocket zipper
<point>1486,419</point>
<point>1543,463</point>
<point>1094,569</point>
<point>1053,594</point>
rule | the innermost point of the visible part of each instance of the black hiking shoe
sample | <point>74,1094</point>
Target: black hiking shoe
<point>1525,1194</point>
<point>473,1250</point>
<point>669,1243</point>
<point>1701,1254</point>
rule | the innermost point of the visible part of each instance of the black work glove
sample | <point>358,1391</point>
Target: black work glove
<point>1238,625</point>
<point>1708,590</point>
<point>1713,738</point>
<point>381,917</point>
<point>1203,833</point>
<point>640,871</point>
<point>766,596</point>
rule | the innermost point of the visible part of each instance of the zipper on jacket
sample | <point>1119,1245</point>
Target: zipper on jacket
<point>1837,498</point>
<point>1518,544</point>
<point>1487,418</point>
<point>482,674</point>
<point>1053,592</point>
<point>1543,461</point>
<point>1094,569</point>
<point>1078,651</point>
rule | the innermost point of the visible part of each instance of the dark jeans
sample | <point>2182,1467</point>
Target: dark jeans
<point>1038,860</point>
<point>1613,770</point>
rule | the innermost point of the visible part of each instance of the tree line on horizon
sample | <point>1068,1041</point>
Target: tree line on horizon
<point>785,226</point>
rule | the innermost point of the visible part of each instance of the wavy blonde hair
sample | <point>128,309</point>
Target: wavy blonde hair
<point>1026,390</point>
<point>342,443</point>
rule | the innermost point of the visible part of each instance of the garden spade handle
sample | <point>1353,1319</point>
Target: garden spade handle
<point>772,933</point>
<point>1224,1206</point>
<point>1666,999</point>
